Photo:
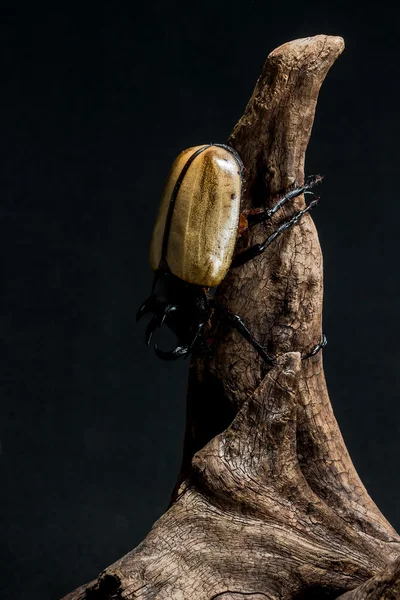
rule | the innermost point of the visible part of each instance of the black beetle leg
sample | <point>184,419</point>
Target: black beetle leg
<point>237,323</point>
<point>267,214</point>
<point>316,348</point>
<point>253,251</point>
<point>177,352</point>
<point>196,337</point>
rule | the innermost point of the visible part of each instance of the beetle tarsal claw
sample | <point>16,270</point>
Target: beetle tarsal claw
<point>313,180</point>
<point>172,354</point>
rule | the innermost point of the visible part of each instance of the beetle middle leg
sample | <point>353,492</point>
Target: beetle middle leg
<point>253,251</point>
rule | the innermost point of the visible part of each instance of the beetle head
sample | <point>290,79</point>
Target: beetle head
<point>183,307</point>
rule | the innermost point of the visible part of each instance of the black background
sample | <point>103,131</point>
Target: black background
<point>96,102</point>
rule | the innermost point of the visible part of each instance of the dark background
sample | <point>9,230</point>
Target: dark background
<point>96,102</point>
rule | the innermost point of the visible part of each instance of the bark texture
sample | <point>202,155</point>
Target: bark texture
<point>268,504</point>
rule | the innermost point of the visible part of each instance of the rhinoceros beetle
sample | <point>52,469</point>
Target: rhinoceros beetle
<point>193,243</point>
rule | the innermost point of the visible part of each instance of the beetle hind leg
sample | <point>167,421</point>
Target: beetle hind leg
<point>264,215</point>
<point>253,251</point>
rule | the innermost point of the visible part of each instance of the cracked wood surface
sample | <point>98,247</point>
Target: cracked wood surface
<point>268,503</point>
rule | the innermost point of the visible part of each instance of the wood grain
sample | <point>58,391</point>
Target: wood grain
<point>268,503</point>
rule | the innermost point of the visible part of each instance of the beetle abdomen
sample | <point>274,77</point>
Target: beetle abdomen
<point>197,223</point>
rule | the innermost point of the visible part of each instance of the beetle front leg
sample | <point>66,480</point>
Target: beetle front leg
<point>236,322</point>
<point>253,251</point>
<point>316,348</point>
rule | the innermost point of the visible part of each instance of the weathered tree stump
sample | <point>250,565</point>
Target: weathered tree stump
<point>268,503</point>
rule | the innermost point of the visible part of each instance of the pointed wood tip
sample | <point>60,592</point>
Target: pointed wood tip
<point>324,44</point>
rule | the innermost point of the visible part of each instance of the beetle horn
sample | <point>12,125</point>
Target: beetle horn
<point>142,310</point>
<point>151,327</point>
<point>157,320</point>
<point>148,306</point>
<point>172,354</point>
<point>170,308</point>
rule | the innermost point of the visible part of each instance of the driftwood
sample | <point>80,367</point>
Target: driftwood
<point>268,503</point>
